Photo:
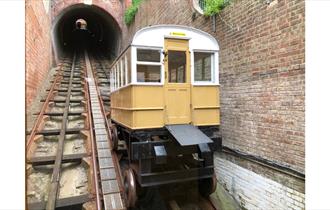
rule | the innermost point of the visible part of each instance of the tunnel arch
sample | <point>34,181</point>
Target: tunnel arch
<point>102,26</point>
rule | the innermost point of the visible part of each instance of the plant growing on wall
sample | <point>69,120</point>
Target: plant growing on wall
<point>213,7</point>
<point>131,11</point>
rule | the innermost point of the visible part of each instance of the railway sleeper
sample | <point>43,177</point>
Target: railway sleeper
<point>46,160</point>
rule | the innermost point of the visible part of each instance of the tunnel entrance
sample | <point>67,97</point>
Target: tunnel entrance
<point>88,27</point>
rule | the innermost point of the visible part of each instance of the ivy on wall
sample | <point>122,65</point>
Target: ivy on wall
<point>213,7</point>
<point>131,11</point>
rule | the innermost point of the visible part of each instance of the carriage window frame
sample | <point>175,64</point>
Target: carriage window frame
<point>126,69</point>
<point>123,73</point>
<point>129,60</point>
<point>214,68</point>
<point>117,77</point>
<point>147,63</point>
<point>111,81</point>
<point>120,72</point>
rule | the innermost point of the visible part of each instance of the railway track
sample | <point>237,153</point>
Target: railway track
<point>66,151</point>
<point>101,74</point>
<point>60,167</point>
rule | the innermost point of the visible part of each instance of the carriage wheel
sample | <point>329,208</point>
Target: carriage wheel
<point>114,137</point>
<point>130,188</point>
<point>208,186</point>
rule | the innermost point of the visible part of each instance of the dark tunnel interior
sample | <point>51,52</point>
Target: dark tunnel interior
<point>101,36</point>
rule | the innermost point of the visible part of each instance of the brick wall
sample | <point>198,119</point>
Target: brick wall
<point>113,7</point>
<point>262,78</point>
<point>38,47</point>
<point>263,81</point>
<point>254,191</point>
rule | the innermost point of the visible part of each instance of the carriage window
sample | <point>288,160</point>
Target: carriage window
<point>177,66</point>
<point>114,78</point>
<point>128,69</point>
<point>148,67</point>
<point>111,81</point>
<point>148,55</point>
<point>123,72</point>
<point>128,60</point>
<point>203,66</point>
<point>117,77</point>
<point>119,74</point>
<point>148,73</point>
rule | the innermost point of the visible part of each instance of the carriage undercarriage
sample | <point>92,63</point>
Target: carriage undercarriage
<point>155,157</point>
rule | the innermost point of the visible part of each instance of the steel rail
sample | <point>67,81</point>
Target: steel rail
<point>43,108</point>
<point>55,179</point>
<point>97,188</point>
<point>103,67</point>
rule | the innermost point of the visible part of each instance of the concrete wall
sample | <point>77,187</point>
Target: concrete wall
<point>38,46</point>
<point>262,78</point>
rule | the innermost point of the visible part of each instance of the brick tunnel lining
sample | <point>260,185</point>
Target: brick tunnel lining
<point>103,36</point>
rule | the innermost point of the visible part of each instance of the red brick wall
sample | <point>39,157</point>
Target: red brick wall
<point>263,81</point>
<point>262,71</point>
<point>38,47</point>
<point>113,7</point>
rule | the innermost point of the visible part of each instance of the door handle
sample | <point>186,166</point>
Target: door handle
<point>165,53</point>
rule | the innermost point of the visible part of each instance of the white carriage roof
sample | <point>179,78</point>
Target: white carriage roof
<point>153,36</point>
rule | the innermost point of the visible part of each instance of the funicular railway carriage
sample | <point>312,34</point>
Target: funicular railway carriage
<point>165,107</point>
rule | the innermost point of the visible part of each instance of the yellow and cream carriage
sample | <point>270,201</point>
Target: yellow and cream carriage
<point>165,107</point>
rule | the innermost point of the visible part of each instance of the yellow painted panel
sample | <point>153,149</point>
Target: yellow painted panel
<point>206,117</point>
<point>124,117</point>
<point>205,96</point>
<point>206,105</point>
<point>138,106</point>
<point>122,98</point>
<point>148,119</point>
<point>178,104</point>
<point>121,102</point>
<point>176,44</point>
<point>146,96</point>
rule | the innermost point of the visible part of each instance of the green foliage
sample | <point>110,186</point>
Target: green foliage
<point>213,7</point>
<point>131,11</point>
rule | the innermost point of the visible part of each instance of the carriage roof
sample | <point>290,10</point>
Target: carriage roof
<point>153,36</point>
